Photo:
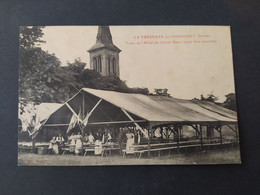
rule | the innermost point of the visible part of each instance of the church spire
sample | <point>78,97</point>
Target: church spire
<point>104,40</point>
<point>104,55</point>
<point>104,36</point>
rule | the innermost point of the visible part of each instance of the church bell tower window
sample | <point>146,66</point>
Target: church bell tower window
<point>95,64</point>
<point>108,66</point>
<point>114,65</point>
<point>99,64</point>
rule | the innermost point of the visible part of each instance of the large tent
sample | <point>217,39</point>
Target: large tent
<point>93,109</point>
<point>100,107</point>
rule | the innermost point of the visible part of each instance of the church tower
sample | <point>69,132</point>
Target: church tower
<point>104,55</point>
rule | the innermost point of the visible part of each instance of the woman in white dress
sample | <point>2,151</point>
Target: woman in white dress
<point>78,147</point>
<point>52,142</point>
<point>72,140</point>
<point>129,143</point>
<point>91,138</point>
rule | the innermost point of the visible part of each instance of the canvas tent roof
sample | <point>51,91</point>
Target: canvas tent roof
<point>165,109</point>
<point>44,110</point>
<point>142,108</point>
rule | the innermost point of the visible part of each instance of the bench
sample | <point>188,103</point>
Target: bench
<point>88,150</point>
<point>65,150</point>
<point>140,152</point>
<point>104,152</point>
<point>23,148</point>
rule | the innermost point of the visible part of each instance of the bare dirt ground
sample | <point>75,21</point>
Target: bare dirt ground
<point>218,156</point>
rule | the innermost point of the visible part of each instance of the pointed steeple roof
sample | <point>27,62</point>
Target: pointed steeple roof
<point>104,40</point>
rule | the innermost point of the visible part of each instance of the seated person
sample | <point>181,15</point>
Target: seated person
<point>98,147</point>
<point>106,137</point>
<point>86,138</point>
<point>91,138</point>
<point>72,139</point>
<point>59,139</point>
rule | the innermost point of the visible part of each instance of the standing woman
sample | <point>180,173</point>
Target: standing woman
<point>72,140</point>
<point>78,147</point>
<point>130,142</point>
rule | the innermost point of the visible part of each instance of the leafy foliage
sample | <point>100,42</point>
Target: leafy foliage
<point>30,36</point>
<point>210,98</point>
<point>161,92</point>
<point>230,101</point>
<point>41,78</point>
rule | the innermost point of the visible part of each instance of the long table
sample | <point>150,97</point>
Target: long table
<point>141,149</point>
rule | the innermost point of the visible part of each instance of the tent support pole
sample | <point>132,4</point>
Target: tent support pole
<point>33,145</point>
<point>83,111</point>
<point>236,131</point>
<point>149,141</point>
<point>201,142</point>
<point>83,105</point>
<point>72,111</point>
<point>220,133</point>
<point>161,131</point>
<point>177,136</point>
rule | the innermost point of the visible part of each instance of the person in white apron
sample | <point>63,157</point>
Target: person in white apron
<point>59,140</point>
<point>72,140</point>
<point>78,146</point>
<point>129,143</point>
<point>91,138</point>
<point>51,144</point>
<point>98,147</point>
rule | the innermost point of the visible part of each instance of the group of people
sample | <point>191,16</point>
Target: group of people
<point>56,143</point>
<point>76,141</point>
<point>126,138</point>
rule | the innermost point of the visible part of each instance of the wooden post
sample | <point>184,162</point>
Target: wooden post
<point>83,112</point>
<point>236,131</point>
<point>177,133</point>
<point>149,147</point>
<point>220,133</point>
<point>197,131</point>
<point>201,136</point>
<point>161,131</point>
<point>33,145</point>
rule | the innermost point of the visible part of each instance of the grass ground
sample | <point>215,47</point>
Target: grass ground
<point>218,156</point>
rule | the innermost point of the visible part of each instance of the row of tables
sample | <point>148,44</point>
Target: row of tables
<point>108,147</point>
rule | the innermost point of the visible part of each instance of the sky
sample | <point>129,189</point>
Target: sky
<point>187,60</point>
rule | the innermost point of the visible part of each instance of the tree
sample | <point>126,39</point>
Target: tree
<point>230,102</point>
<point>161,92</point>
<point>210,98</point>
<point>41,78</point>
<point>77,66</point>
<point>30,36</point>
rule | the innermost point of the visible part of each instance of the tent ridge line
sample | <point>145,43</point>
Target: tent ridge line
<point>214,111</point>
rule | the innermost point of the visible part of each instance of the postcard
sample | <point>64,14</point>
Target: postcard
<point>126,95</point>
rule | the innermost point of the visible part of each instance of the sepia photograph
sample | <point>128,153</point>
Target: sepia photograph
<point>126,95</point>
